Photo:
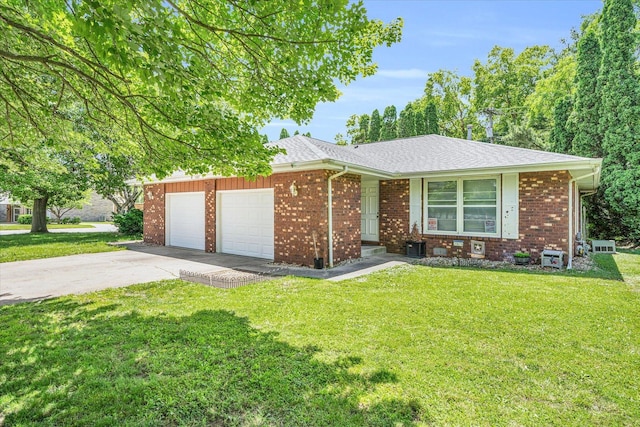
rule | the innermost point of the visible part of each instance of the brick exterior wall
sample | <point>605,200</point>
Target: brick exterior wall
<point>98,209</point>
<point>295,218</point>
<point>346,217</point>
<point>154,214</point>
<point>394,214</point>
<point>543,219</point>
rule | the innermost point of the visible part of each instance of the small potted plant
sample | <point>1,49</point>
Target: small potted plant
<point>416,247</point>
<point>522,258</point>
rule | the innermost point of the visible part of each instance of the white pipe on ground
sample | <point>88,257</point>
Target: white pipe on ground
<point>330,212</point>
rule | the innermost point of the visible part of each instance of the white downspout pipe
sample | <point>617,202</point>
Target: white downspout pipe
<point>330,212</point>
<point>570,241</point>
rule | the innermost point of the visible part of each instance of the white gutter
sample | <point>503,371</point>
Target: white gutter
<point>570,241</point>
<point>330,212</point>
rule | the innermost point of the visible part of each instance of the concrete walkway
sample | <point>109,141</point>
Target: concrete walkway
<point>45,278</point>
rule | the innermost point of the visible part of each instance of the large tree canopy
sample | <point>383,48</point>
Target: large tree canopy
<point>189,82</point>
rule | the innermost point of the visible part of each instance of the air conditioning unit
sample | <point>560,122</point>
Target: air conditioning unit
<point>552,258</point>
<point>603,246</point>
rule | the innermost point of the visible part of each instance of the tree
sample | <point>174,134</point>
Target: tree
<point>586,111</point>
<point>619,87</point>
<point>505,81</point>
<point>407,122</point>
<point>389,127</point>
<point>420,123</point>
<point>59,210</point>
<point>265,139</point>
<point>284,133</point>
<point>189,82</point>
<point>339,138</point>
<point>431,119</point>
<point>307,134</point>
<point>451,94</point>
<point>364,127</point>
<point>562,136</point>
<point>297,132</point>
<point>354,130</point>
<point>375,126</point>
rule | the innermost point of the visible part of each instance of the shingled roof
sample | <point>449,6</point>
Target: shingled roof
<point>419,154</point>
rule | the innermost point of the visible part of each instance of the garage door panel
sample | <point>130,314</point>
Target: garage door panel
<point>185,220</point>
<point>246,223</point>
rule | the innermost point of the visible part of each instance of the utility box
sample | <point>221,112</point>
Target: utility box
<point>552,258</point>
<point>603,246</point>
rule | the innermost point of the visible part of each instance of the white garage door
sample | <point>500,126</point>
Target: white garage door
<point>185,220</point>
<point>245,223</point>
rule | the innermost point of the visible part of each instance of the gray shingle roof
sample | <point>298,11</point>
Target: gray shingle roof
<point>420,154</point>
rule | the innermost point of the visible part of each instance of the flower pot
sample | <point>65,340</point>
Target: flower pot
<point>416,249</point>
<point>318,263</point>
<point>522,260</point>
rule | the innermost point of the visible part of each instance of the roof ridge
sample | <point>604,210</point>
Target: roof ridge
<point>316,150</point>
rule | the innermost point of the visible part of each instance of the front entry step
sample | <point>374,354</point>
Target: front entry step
<point>370,250</point>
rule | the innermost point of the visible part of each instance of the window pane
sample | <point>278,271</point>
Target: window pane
<point>480,220</point>
<point>442,193</point>
<point>441,219</point>
<point>479,192</point>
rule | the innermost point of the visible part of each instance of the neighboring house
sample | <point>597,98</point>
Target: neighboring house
<point>462,194</point>
<point>11,210</point>
<point>97,209</point>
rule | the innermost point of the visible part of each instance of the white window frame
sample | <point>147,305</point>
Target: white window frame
<point>460,206</point>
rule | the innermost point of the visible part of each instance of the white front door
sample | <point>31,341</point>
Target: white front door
<point>370,207</point>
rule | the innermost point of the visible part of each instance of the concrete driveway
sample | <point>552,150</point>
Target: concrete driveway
<point>38,279</point>
<point>44,278</point>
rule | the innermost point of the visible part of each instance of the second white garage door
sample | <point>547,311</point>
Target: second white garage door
<point>245,222</point>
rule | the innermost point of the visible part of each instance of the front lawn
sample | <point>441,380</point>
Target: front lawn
<point>409,346</point>
<point>49,226</point>
<point>20,247</point>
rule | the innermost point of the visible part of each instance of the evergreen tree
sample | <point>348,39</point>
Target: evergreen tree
<point>585,118</point>
<point>389,130</point>
<point>620,115</point>
<point>297,132</point>
<point>284,133</point>
<point>307,134</point>
<point>374,126</point>
<point>265,139</point>
<point>431,119</point>
<point>420,123</point>
<point>407,122</point>
<point>562,135</point>
<point>364,128</point>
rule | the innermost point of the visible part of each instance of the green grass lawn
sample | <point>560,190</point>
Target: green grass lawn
<point>20,247</point>
<point>409,346</point>
<point>49,226</point>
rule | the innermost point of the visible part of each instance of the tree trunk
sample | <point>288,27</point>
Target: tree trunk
<point>39,219</point>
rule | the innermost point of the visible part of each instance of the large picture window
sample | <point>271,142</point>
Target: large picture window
<point>462,206</point>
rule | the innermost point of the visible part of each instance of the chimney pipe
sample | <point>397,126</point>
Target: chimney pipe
<point>469,127</point>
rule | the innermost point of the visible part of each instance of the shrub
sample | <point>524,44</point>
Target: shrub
<point>25,219</point>
<point>75,220</point>
<point>129,223</point>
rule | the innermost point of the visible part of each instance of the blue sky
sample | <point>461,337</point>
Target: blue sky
<point>440,34</point>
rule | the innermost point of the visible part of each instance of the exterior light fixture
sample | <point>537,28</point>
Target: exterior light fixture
<point>293,189</point>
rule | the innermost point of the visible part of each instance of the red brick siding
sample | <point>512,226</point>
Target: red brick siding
<point>297,217</point>
<point>394,214</point>
<point>154,214</point>
<point>543,219</point>
<point>210,215</point>
<point>346,217</point>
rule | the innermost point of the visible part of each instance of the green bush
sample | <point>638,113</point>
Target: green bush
<point>75,220</point>
<point>129,223</point>
<point>25,219</point>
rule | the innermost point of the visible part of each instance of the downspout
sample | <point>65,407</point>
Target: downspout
<point>330,212</point>
<point>570,241</point>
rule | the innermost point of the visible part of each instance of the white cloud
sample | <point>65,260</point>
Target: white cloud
<point>411,73</point>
